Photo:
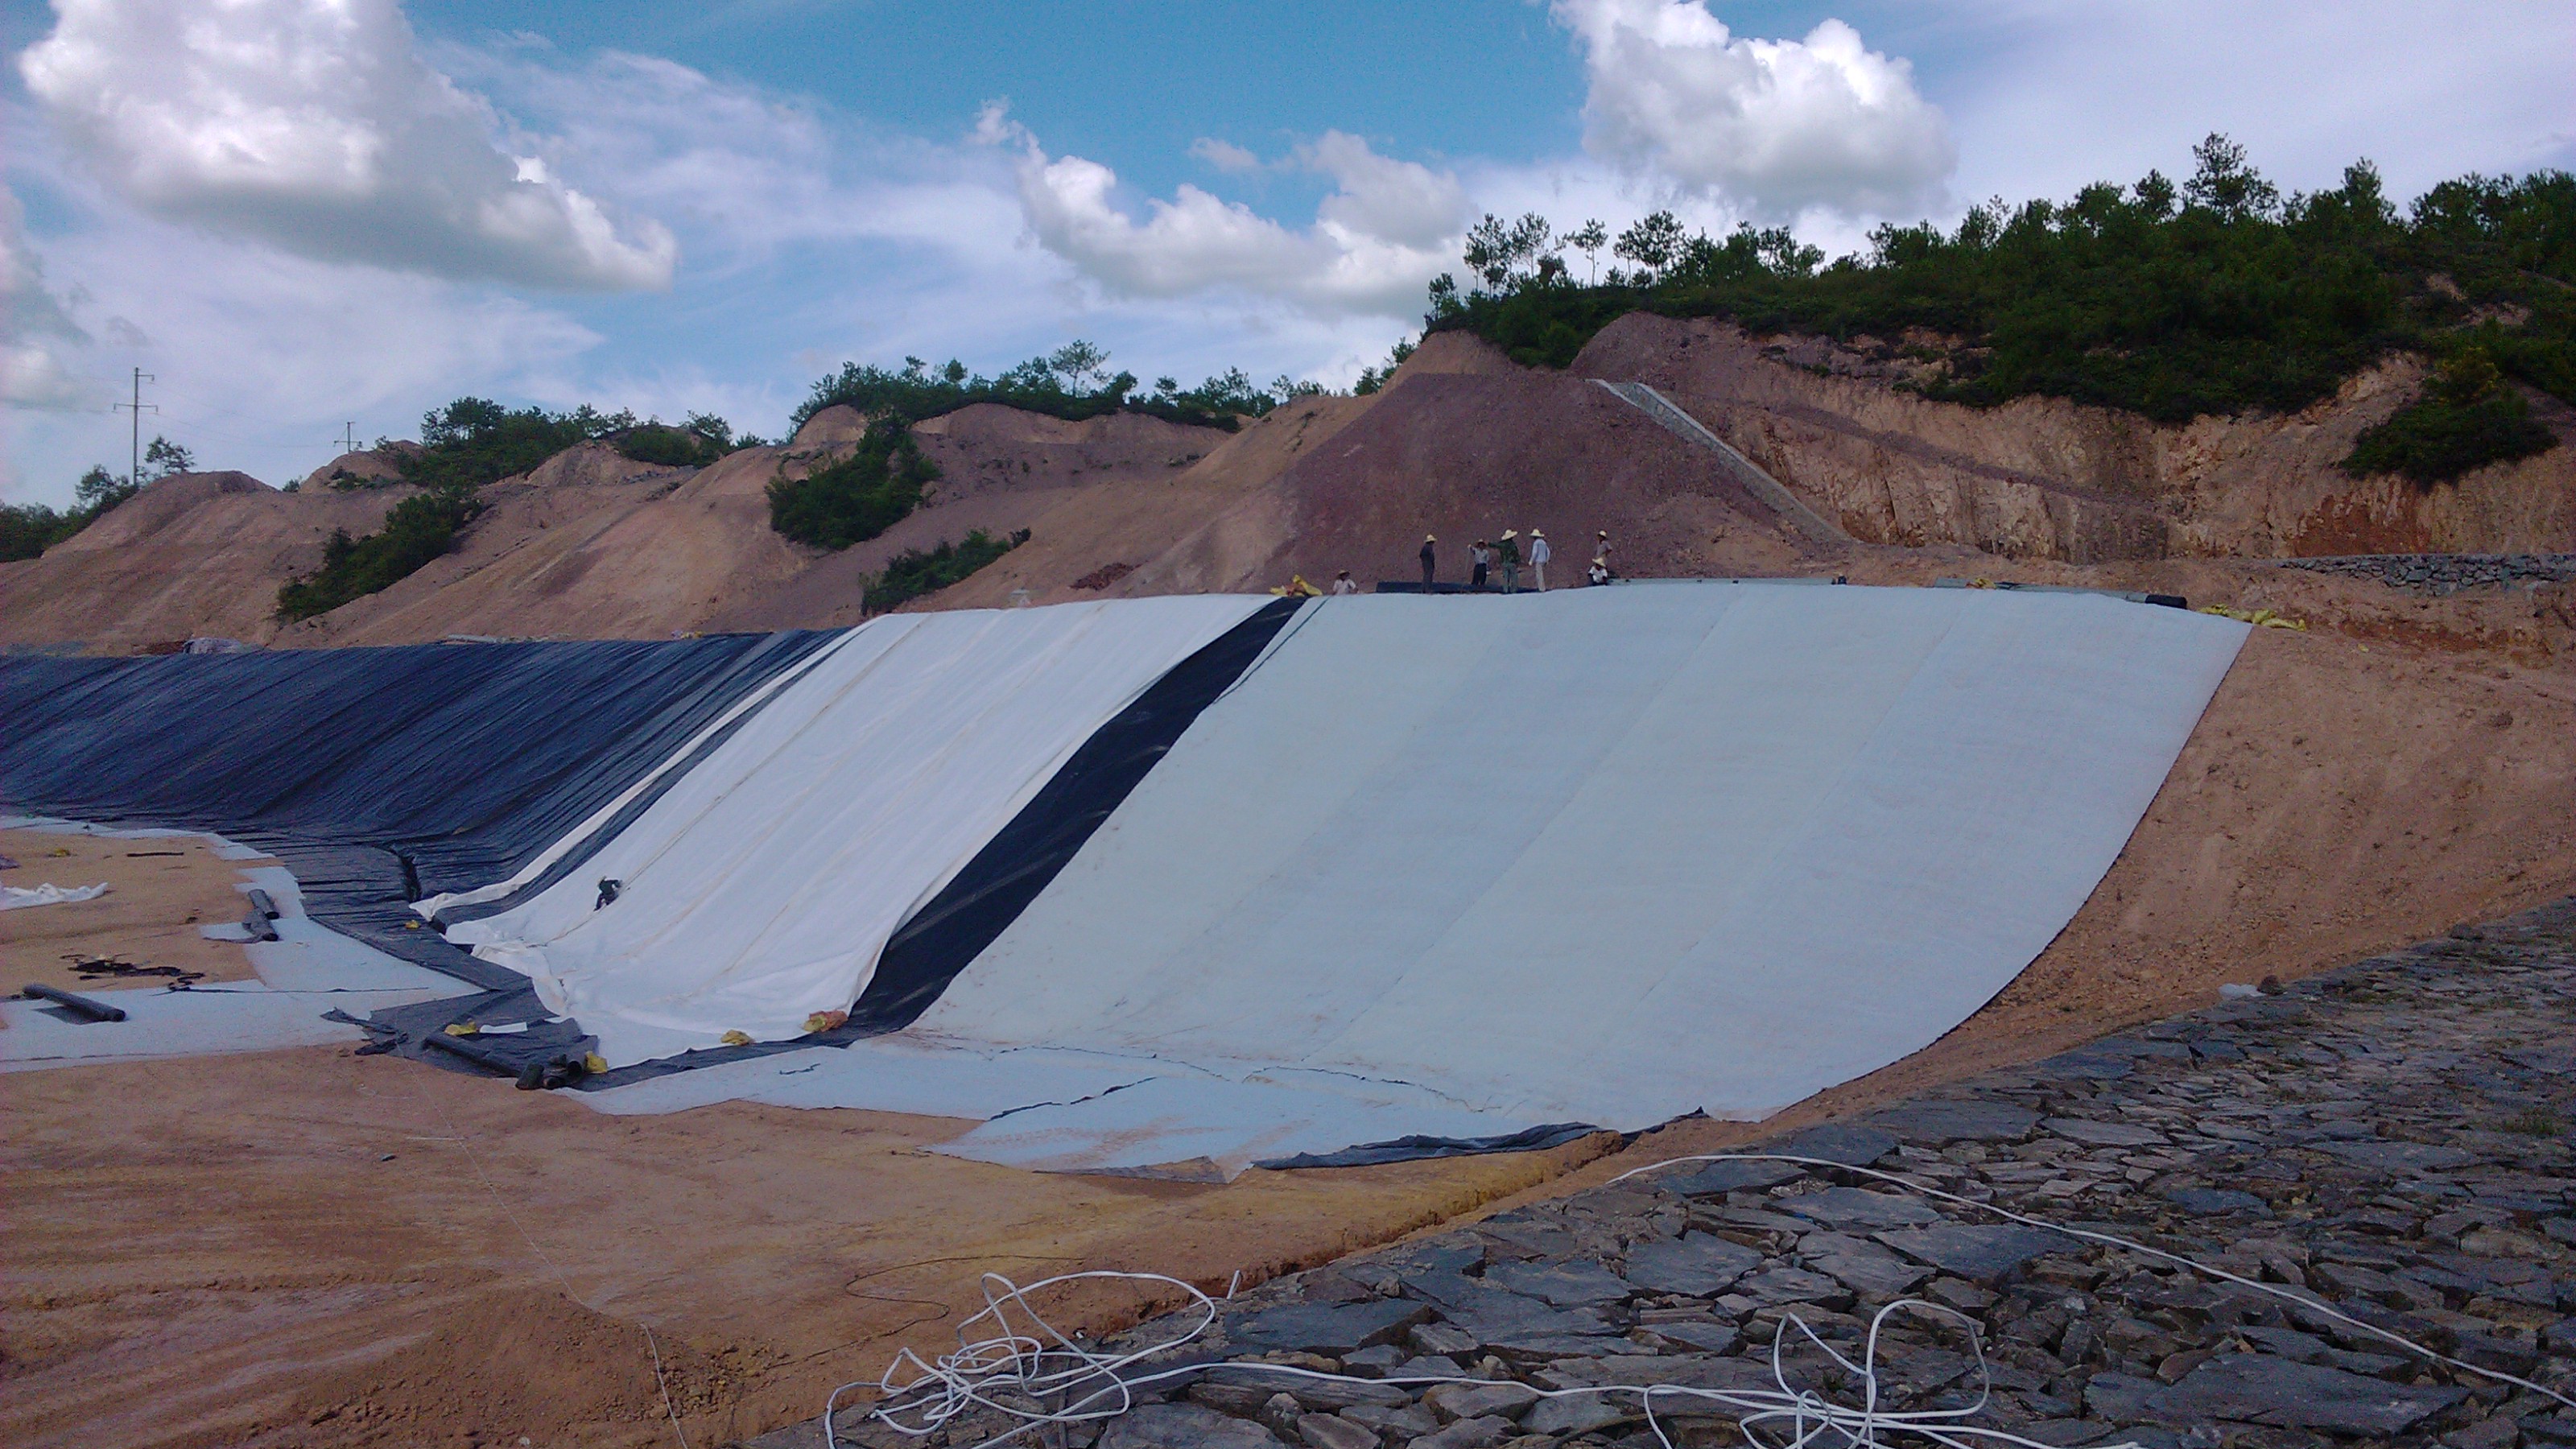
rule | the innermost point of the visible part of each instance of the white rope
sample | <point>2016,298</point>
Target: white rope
<point>1011,1360</point>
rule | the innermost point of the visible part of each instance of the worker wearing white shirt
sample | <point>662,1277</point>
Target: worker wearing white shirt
<point>1539,554</point>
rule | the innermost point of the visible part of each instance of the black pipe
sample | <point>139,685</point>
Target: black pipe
<point>463,1046</point>
<point>262,920</point>
<point>89,1008</point>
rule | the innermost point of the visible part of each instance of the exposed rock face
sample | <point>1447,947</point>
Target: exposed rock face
<point>2042,478</point>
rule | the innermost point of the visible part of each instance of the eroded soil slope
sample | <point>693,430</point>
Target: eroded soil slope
<point>2042,478</point>
<point>194,554</point>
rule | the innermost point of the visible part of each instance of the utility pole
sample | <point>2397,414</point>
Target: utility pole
<point>134,469</point>
<point>348,437</point>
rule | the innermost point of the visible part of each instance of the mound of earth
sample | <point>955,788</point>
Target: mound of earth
<point>1002,470</point>
<point>195,554</point>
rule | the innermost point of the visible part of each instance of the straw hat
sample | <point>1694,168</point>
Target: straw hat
<point>1534,533</point>
<point>1427,538</point>
<point>1511,533</point>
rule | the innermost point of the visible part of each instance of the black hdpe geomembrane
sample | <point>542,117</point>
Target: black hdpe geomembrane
<point>378,775</point>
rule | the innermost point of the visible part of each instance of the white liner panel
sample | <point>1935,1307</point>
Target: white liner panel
<point>762,886</point>
<point>1603,855</point>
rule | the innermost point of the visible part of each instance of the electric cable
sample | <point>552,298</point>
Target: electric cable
<point>1024,1368</point>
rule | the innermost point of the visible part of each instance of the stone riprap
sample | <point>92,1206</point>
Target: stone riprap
<point>2445,573</point>
<point>2391,1139</point>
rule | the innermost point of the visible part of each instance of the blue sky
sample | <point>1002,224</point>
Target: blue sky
<point>304,213</point>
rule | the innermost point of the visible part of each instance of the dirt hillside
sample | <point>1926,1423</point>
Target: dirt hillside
<point>1461,444</point>
<point>194,554</point>
<point>2043,478</point>
<point>590,545</point>
<point>1003,470</point>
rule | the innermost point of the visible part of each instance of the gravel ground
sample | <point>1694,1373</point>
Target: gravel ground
<point>2445,573</point>
<point>2391,1139</point>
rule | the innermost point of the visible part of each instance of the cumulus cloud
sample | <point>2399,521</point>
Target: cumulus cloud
<point>1224,155</point>
<point>1384,231</point>
<point>38,337</point>
<point>315,126</point>
<point>1777,127</point>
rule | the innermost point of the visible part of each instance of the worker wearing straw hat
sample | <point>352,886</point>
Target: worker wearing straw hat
<point>1540,553</point>
<point>1430,561</point>
<point>1508,549</point>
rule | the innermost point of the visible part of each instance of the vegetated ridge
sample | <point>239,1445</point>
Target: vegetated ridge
<point>2216,297</point>
<point>2053,419</point>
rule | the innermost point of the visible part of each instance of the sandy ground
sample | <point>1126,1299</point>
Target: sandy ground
<point>159,890</point>
<point>308,1248</point>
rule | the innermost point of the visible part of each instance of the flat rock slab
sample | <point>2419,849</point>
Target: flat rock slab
<point>1491,1315</point>
<point>1184,1426</point>
<point>1329,1329</point>
<point>1468,1434</point>
<point>1978,1252</point>
<point>1700,1335</point>
<point>1791,1285</point>
<point>1938,1124</point>
<point>1697,1265</point>
<point>1726,1177</point>
<point>1310,1393</point>
<point>1853,1207</point>
<point>1567,1414</point>
<point>2215,1201</point>
<point>1478,1401</point>
<point>2399,1157</point>
<point>1566,1285</point>
<point>1544,1347</point>
<point>1847,1143</point>
<point>1860,1265</point>
<point>2104,1134</point>
<point>2258,1388</point>
<point>2084,1064</point>
<point>1332,1431</point>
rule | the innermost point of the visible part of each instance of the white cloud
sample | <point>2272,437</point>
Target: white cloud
<point>1778,127</point>
<point>1387,200</point>
<point>1387,228</point>
<point>2115,88</point>
<point>37,333</point>
<point>1224,155</point>
<point>314,125</point>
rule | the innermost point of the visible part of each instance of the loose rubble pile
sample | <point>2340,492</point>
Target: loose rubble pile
<point>2392,1139</point>
<point>2445,573</point>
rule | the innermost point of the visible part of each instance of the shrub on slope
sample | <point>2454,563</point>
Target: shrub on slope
<point>915,572</point>
<point>2468,417</point>
<point>858,497</point>
<point>419,529</point>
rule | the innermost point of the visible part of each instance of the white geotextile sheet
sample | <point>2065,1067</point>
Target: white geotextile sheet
<point>19,898</point>
<point>761,887</point>
<point>234,1016</point>
<point>1602,855</point>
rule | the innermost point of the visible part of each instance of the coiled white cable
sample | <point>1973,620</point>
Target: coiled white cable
<point>1032,1372</point>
